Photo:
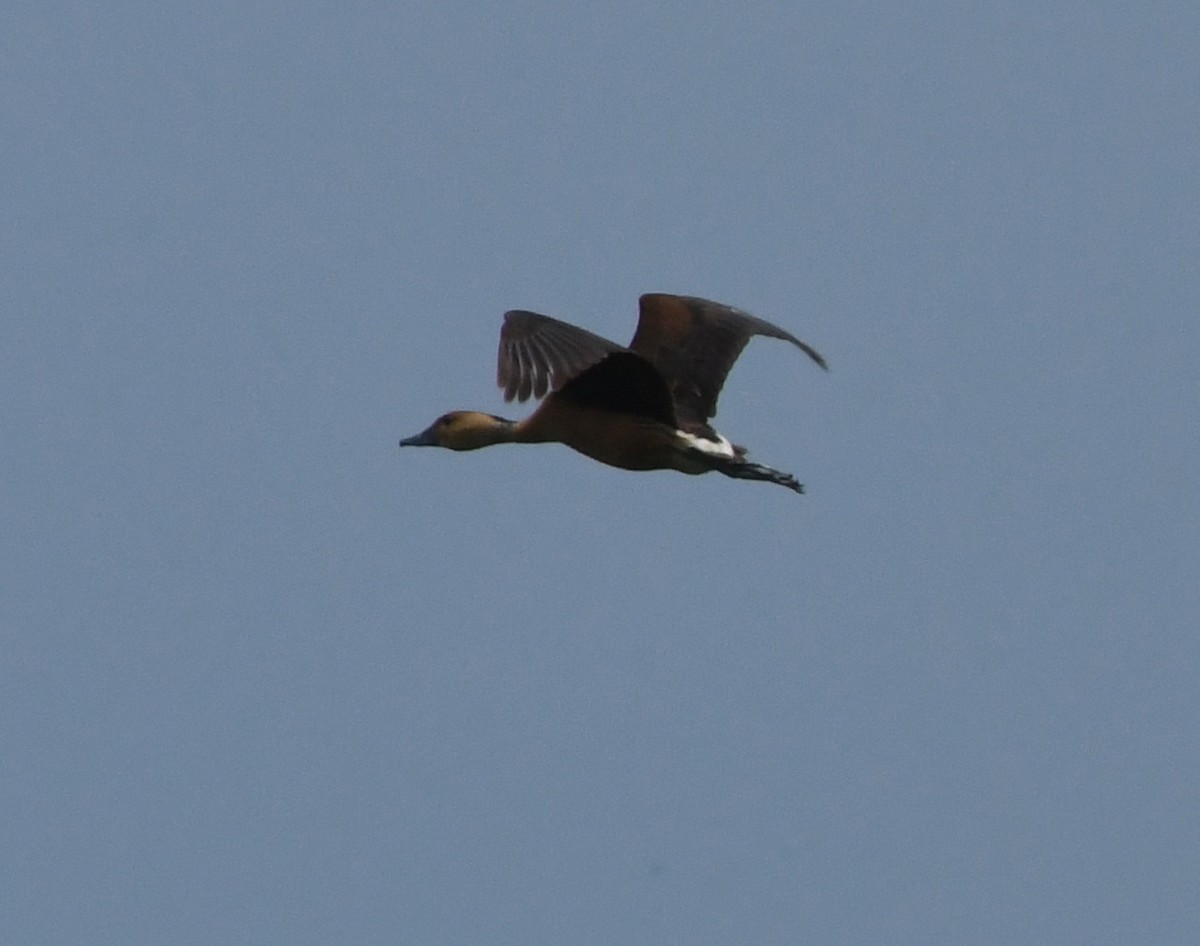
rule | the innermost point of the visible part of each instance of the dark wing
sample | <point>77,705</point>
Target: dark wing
<point>694,343</point>
<point>623,383</point>
<point>539,354</point>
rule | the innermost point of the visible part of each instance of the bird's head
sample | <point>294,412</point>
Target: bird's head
<point>463,430</point>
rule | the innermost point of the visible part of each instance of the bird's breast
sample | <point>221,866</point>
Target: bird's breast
<point>622,440</point>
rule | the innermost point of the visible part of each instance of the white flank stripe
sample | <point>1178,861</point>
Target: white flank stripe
<point>719,448</point>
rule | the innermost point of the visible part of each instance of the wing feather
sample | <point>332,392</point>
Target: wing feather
<point>694,342</point>
<point>539,354</point>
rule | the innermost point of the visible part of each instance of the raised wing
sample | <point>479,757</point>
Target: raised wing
<point>694,342</point>
<point>539,354</point>
<point>623,383</point>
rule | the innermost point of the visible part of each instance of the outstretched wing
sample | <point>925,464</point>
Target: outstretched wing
<point>694,342</point>
<point>622,383</point>
<point>539,354</point>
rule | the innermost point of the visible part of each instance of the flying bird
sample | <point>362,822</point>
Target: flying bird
<point>641,407</point>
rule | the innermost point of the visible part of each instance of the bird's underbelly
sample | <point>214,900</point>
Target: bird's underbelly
<point>634,444</point>
<point>626,441</point>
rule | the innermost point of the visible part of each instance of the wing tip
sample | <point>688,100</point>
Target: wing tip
<point>815,356</point>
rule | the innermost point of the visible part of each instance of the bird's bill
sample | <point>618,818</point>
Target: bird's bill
<point>425,438</point>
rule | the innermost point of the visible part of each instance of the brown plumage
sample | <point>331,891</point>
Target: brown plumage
<point>644,407</point>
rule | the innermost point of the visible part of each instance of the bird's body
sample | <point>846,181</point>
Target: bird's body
<point>645,407</point>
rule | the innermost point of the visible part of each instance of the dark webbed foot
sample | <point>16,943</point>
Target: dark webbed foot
<point>744,470</point>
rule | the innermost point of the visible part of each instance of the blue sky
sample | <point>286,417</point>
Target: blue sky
<point>268,679</point>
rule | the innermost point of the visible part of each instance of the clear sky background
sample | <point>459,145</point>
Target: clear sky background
<point>266,678</point>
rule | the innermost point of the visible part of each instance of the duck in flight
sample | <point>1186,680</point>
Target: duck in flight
<point>644,407</point>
